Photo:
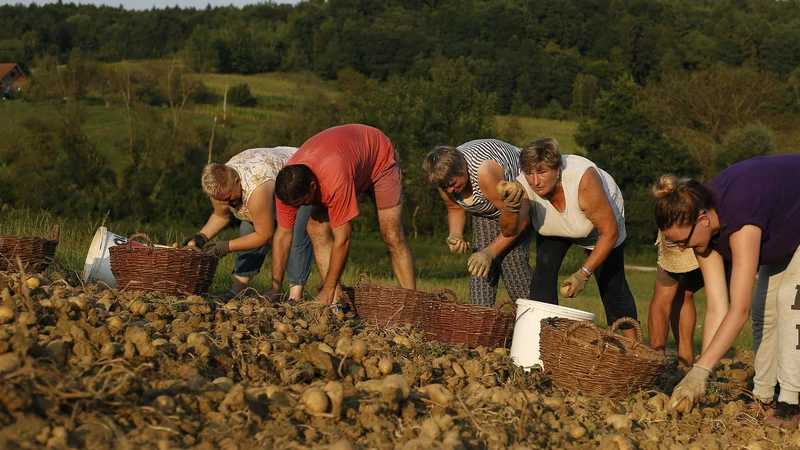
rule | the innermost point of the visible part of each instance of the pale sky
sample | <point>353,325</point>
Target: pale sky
<point>147,4</point>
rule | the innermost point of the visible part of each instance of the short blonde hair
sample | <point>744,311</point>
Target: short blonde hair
<point>538,152</point>
<point>441,164</point>
<point>217,177</point>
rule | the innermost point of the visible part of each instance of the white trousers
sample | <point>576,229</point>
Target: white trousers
<point>775,311</point>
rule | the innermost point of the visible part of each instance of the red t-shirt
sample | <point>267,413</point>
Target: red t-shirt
<point>346,160</point>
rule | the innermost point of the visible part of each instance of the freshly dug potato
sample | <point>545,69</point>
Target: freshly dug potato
<point>316,400</point>
<point>439,394</point>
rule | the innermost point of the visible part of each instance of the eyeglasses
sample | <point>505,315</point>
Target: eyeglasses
<point>684,243</point>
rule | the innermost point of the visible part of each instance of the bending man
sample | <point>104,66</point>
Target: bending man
<point>329,172</point>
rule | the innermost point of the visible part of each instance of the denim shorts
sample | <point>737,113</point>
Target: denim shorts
<point>249,262</point>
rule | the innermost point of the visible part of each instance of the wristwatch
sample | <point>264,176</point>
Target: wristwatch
<point>586,271</point>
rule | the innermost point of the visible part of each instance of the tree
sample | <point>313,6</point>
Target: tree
<point>624,139</point>
<point>585,90</point>
<point>739,144</point>
<point>698,108</point>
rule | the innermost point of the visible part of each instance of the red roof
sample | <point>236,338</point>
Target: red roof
<point>5,68</point>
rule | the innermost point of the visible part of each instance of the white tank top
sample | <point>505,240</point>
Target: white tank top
<point>255,167</point>
<point>573,223</point>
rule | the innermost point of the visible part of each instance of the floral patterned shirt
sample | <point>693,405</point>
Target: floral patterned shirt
<point>255,167</point>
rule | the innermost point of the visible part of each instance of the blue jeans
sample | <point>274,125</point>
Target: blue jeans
<point>249,262</point>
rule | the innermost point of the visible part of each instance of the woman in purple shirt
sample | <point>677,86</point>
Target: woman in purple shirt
<point>749,218</point>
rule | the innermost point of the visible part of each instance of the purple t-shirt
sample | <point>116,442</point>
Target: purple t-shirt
<point>763,191</point>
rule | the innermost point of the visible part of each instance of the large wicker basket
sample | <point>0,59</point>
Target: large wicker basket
<point>35,253</point>
<point>388,304</point>
<point>168,270</point>
<point>446,320</point>
<point>579,356</point>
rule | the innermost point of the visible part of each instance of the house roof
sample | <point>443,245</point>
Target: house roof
<point>5,68</point>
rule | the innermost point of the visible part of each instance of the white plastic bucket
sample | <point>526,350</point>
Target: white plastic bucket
<point>525,343</point>
<point>98,262</point>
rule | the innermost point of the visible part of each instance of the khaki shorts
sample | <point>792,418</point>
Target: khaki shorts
<point>691,281</point>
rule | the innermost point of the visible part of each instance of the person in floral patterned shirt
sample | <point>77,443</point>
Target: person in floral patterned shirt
<point>244,187</point>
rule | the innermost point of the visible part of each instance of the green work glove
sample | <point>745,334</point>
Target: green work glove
<point>480,262</point>
<point>219,249</point>
<point>510,194</point>
<point>199,239</point>
<point>573,285</point>
<point>457,244</point>
<point>690,389</point>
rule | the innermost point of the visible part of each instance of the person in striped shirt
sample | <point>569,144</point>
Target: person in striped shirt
<point>466,178</point>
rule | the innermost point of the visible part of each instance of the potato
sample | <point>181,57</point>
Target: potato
<point>6,314</point>
<point>439,394</point>
<point>385,365</point>
<point>32,283</point>
<point>619,422</point>
<point>315,400</point>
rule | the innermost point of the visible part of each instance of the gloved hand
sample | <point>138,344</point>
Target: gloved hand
<point>480,262</point>
<point>219,249</point>
<point>457,244</point>
<point>690,389</point>
<point>199,239</point>
<point>510,193</point>
<point>573,285</point>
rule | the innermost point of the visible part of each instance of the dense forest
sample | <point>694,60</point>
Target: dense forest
<point>657,85</point>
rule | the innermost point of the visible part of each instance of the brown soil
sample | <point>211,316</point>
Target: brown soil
<point>85,368</point>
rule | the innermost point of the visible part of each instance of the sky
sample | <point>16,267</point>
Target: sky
<point>147,4</point>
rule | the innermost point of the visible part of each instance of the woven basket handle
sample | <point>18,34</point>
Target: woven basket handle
<point>574,327</point>
<point>363,278</point>
<point>445,295</point>
<point>506,302</point>
<point>55,234</point>
<point>630,321</point>
<point>141,235</point>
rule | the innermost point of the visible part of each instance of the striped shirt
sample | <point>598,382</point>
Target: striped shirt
<point>476,152</point>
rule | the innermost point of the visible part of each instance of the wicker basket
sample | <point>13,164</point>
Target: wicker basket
<point>169,270</point>
<point>446,320</point>
<point>35,253</point>
<point>388,304</point>
<point>580,356</point>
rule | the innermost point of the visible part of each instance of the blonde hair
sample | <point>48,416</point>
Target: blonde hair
<point>542,151</point>
<point>441,164</point>
<point>680,201</point>
<point>217,177</point>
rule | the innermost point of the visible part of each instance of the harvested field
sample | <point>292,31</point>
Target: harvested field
<point>82,367</point>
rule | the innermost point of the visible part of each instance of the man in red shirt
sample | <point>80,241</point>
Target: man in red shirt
<point>330,171</point>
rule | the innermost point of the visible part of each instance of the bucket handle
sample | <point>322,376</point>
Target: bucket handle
<point>629,321</point>
<point>140,235</point>
<point>445,295</point>
<point>55,233</point>
<point>363,278</point>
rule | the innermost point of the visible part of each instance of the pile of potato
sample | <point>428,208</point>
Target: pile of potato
<point>82,367</point>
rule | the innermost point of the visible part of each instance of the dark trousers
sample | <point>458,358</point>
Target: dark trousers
<point>610,275</point>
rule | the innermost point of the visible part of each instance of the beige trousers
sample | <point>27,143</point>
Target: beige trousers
<point>775,311</point>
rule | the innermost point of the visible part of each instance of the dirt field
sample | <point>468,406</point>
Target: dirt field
<point>87,368</point>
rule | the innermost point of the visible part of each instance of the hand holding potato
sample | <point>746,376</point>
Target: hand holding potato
<point>690,389</point>
<point>511,194</point>
<point>457,244</point>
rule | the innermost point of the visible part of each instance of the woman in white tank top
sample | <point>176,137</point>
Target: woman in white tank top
<point>569,200</point>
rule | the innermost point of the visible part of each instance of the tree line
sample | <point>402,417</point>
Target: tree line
<point>529,54</point>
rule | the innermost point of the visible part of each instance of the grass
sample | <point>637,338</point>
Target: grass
<point>436,267</point>
<point>531,129</point>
